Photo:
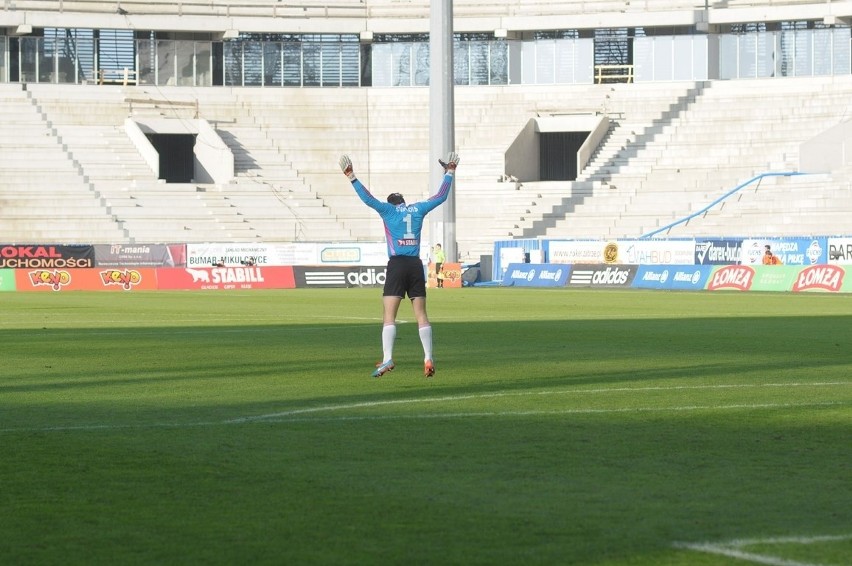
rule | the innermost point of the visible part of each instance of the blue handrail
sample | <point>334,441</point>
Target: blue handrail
<point>720,199</point>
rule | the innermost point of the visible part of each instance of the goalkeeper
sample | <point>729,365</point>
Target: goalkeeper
<point>403,224</point>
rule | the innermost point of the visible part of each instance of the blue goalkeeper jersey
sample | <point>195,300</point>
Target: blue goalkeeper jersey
<point>404,222</point>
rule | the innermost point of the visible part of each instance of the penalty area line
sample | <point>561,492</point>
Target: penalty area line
<point>733,548</point>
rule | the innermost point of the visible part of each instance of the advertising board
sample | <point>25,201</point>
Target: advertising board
<point>107,279</point>
<point>212,278</point>
<point>536,275</point>
<point>672,277</point>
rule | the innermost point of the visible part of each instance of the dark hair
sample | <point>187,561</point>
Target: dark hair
<point>396,199</point>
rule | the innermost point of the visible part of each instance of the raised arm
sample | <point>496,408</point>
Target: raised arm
<point>447,183</point>
<point>360,189</point>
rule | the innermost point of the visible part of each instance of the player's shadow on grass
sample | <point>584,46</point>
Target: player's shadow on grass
<point>471,358</point>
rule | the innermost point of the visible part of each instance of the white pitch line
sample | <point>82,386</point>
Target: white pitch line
<point>289,416</point>
<point>296,415</point>
<point>732,548</point>
<point>368,404</point>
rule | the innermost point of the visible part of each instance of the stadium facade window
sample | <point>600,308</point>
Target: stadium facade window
<point>670,58</point>
<point>742,50</point>
<point>203,63</point>
<point>4,59</point>
<point>792,49</point>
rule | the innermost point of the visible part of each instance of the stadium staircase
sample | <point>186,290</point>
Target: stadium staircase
<point>70,173</point>
<point>45,193</point>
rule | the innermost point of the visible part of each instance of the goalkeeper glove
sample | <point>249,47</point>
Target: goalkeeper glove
<point>451,163</point>
<point>346,167</point>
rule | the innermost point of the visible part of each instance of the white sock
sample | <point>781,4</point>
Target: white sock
<point>388,337</point>
<point>426,340</point>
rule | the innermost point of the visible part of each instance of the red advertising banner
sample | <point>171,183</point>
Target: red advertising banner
<point>254,277</point>
<point>108,279</point>
<point>828,278</point>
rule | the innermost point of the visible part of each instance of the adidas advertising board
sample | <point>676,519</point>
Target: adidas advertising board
<point>588,275</point>
<point>536,275</point>
<point>349,276</point>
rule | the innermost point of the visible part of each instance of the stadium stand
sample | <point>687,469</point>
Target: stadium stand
<point>69,171</point>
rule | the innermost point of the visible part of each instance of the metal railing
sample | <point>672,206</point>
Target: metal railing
<point>721,199</point>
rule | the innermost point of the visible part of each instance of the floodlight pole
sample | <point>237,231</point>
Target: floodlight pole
<point>442,120</point>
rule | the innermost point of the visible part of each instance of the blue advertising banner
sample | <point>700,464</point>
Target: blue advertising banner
<point>718,251</point>
<point>536,275</point>
<point>672,277</point>
<point>790,251</point>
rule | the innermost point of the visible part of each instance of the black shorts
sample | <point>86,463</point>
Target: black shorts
<point>405,276</point>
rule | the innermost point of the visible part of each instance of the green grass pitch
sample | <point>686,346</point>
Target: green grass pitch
<point>562,427</point>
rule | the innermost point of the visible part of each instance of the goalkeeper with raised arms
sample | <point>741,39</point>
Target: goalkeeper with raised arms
<point>403,224</point>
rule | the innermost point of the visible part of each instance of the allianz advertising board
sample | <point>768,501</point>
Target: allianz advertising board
<point>536,275</point>
<point>673,277</point>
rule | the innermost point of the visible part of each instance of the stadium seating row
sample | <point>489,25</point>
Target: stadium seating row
<point>671,150</point>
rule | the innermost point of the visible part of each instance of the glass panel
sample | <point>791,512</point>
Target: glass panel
<point>748,56</point>
<point>146,51</point>
<point>116,56</point>
<point>643,59</point>
<point>528,56</point>
<point>804,53</point>
<point>788,53</point>
<point>252,63</point>
<point>821,42</point>
<point>564,60</point>
<point>47,60</point>
<point>330,53</point>
<point>203,63</point>
<point>700,57</point>
<point>4,53</point>
<point>29,59</point>
<point>421,63</point>
<point>292,64</point>
<point>66,67</point>
<point>461,63</point>
<point>682,46</point>
<point>382,55</point>
<point>233,55</point>
<point>545,61</point>
<point>499,66</point>
<point>585,69</point>
<point>272,63</point>
<point>185,62</point>
<point>765,55</point>
<point>516,66</point>
<point>312,64</point>
<point>663,66</point>
<point>165,62</point>
<point>728,58</point>
<point>350,54</point>
<point>478,62</point>
<point>842,56</point>
<point>401,69</point>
